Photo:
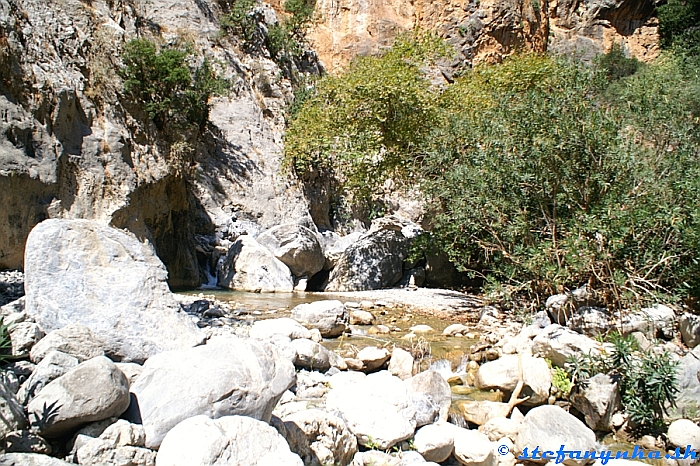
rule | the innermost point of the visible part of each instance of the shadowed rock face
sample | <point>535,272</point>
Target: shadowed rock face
<point>72,146</point>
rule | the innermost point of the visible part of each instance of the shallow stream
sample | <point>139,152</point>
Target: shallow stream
<point>447,354</point>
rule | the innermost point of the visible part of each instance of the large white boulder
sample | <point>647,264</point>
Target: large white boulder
<point>329,316</point>
<point>230,440</point>
<point>248,266</point>
<point>227,376</point>
<point>296,246</point>
<point>80,271</point>
<point>684,432</point>
<point>558,343</point>
<point>377,408</point>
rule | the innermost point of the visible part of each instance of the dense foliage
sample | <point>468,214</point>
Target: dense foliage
<point>539,172</point>
<point>679,25</point>
<point>174,92</point>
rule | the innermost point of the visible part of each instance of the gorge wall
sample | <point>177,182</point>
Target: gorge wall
<point>72,146</point>
<point>485,30</point>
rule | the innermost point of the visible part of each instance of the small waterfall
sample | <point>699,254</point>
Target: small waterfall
<point>442,367</point>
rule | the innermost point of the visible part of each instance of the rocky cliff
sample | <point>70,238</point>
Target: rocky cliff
<point>71,145</point>
<point>485,30</point>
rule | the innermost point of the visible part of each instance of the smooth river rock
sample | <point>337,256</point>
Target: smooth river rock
<point>92,391</point>
<point>227,376</point>
<point>230,440</point>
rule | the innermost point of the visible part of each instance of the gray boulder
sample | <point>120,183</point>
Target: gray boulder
<point>690,329</point>
<point>120,444</point>
<point>334,245</point>
<point>658,320</point>
<point>598,401</point>
<point>265,329</point>
<point>591,321</point>
<point>80,271</point>
<point>319,438</point>
<point>432,384</point>
<point>248,266</point>
<point>92,391</point>
<point>557,343</point>
<point>688,398</point>
<point>74,339</point>
<point>374,261</point>
<point>505,372</point>
<point>435,442</point>
<point>30,459</point>
<point>373,357</point>
<point>549,427</point>
<point>225,377</point>
<point>472,448</point>
<point>11,412</point>
<point>296,246</point>
<point>311,355</point>
<point>684,432</point>
<point>330,317</point>
<point>401,363</point>
<point>51,367</point>
<point>23,336</point>
<point>230,440</point>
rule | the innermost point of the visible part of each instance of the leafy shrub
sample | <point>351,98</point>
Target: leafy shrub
<point>172,91</point>
<point>648,381</point>
<point>561,381</point>
<point>537,178</point>
<point>616,65</point>
<point>284,40</point>
<point>239,21</point>
<point>539,173</point>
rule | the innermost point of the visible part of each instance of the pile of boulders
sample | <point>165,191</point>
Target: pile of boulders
<point>286,257</point>
<point>112,369</point>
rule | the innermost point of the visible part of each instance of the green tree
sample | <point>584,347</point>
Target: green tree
<point>172,91</point>
<point>366,125</point>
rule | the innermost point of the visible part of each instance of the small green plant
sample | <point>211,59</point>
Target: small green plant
<point>372,444</point>
<point>5,342</point>
<point>561,381</point>
<point>239,21</point>
<point>648,381</point>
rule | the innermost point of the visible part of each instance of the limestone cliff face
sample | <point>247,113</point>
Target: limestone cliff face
<point>71,145</point>
<point>485,30</point>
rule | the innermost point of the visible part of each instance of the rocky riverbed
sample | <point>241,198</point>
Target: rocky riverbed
<point>109,367</point>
